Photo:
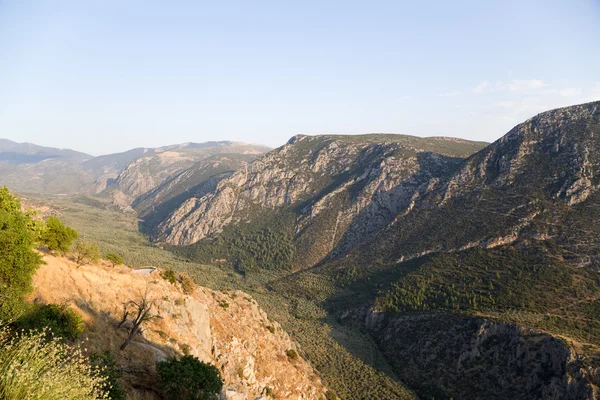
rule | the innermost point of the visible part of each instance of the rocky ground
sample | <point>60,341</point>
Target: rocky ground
<point>227,329</point>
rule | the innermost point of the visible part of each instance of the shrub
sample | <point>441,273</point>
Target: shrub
<point>186,349</point>
<point>188,284</point>
<point>106,368</point>
<point>86,252</point>
<point>169,275</point>
<point>188,378</point>
<point>114,259</point>
<point>329,395</point>
<point>32,367</point>
<point>18,261</point>
<point>292,354</point>
<point>57,236</point>
<point>61,319</point>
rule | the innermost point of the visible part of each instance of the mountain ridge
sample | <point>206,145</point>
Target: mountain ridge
<point>500,245</point>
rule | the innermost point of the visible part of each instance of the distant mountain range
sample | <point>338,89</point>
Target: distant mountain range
<point>28,153</point>
<point>26,167</point>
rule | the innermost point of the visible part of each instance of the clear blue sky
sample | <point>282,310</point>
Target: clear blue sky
<point>106,76</point>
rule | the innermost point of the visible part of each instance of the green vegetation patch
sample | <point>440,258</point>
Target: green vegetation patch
<point>478,279</point>
<point>265,242</point>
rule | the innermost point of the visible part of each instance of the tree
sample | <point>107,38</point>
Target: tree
<point>61,319</point>
<point>86,252</point>
<point>141,311</point>
<point>169,275</point>
<point>18,261</point>
<point>188,378</point>
<point>57,236</point>
<point>114,259</point>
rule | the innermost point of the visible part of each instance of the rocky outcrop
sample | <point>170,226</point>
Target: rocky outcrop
<point>228,329</point>
<point>557,151</point>
<point>451,356</point>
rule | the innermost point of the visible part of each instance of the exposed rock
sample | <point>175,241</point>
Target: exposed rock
<point>365,180</point>
<point>450,356</point>
<point>227,329</point>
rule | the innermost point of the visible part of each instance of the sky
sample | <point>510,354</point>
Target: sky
<point>106,76</point>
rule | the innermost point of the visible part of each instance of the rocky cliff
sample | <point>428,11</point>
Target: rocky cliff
<point>485,265</point>
<point>521,186</point>
<point>451,356</point>
<point>227,329</point>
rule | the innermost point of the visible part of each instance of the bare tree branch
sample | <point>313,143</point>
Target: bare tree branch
<point>142,308</point>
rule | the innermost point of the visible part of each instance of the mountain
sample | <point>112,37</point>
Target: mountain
<point>150,169</point>
<point>473,267</point>
<point>121,177</point>
<point>194,181</point>
<point>31,168</point>
<point>28,153</point>
<point>319,188</point>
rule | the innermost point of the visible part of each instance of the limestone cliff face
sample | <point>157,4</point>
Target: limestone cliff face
<point>226,329</point>
<point>451,356</point>
<point>336,182</point>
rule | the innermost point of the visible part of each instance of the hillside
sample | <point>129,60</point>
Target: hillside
<point>121,177</point>
<point>31,168</point>
<point>329,346</point>
<point>492,256</point>
<point>320,192</point>
<point>155,166</point>
<point>225,328</point>
<point>194,181</point>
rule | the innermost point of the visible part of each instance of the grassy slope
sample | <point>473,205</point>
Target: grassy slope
<point>348,361</point>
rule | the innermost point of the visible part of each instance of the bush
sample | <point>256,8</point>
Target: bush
<point>106,368</point>
<point>57,236</point>
<point>32,367</point>
<point>188,378</point>
<point>114,259</point>
<point>60,319</point>
<point>188,284</point>
<point>329,395</point>
<point>292,354</point>
<point>169,275</point>
<point>86,252</point>
<point>18,261</point>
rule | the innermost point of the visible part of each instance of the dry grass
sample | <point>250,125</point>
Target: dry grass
<point>234,338</point>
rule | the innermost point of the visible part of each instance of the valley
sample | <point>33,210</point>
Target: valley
<point>402,267</point>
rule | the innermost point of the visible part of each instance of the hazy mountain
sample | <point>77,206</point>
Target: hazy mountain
<point>123,176</point>
<point>28,153</point>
